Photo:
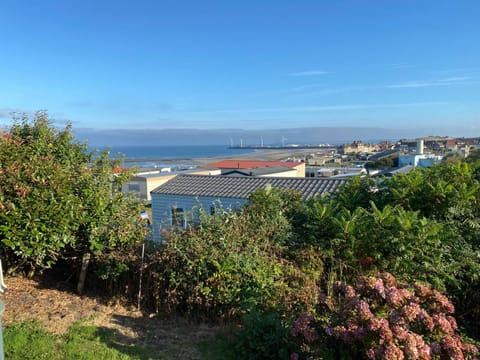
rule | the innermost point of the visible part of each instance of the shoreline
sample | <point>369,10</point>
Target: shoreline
<point>261,155</point>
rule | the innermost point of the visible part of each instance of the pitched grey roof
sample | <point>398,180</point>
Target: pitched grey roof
<point>383,154</point>
<point>241,187</point>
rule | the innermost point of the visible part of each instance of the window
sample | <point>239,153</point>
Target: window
<point>134,187</point>
<point>178,217</point>
<point>212,210</point>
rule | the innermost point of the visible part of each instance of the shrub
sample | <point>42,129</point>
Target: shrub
<point>265,336</point>
<point>232,263</point>
<point>382,318</point>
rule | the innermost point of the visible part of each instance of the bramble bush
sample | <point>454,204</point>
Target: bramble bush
<point>232,263</point>
<point>382,318</point>
<point>264,336</point>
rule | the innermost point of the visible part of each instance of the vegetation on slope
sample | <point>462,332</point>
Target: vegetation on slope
<point>265,265</point>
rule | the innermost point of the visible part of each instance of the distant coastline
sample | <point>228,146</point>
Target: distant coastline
<point>283,147</point>
<point>186,157</point>
<point>176,152</point>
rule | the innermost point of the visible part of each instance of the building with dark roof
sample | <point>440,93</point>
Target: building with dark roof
<point>176,203</point>
<point>269,171</point>
<point>297,169</point>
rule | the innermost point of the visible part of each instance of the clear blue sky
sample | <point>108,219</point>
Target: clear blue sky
<point>243,64</point>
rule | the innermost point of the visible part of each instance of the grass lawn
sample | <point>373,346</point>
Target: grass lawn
<point>30,341</point>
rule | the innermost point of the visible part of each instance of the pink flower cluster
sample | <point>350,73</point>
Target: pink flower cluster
<point>301,326</point>
<point>386,319</point>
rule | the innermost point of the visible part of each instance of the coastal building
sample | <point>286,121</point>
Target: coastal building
<point>270,171</point>
<point>177,203</point>
<point>270,168</point>
<point>326,172</point>
<point>419,158</point>
<point>357,147</point>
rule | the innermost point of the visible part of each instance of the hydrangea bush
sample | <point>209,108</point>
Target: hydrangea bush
<point>382,318</point>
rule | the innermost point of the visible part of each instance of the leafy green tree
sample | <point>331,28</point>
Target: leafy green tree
<point>474,156</point>
<point>57,200</point>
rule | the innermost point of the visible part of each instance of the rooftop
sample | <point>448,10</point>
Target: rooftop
<point>242,187</point>
<point>258,171</point>
<point>251,164</point>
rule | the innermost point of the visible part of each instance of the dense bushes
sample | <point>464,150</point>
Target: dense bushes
<point>275,258</point>
<point>381,318</point>
<point>58,201</point>
<point>281,254</point>
<point>232,262</point>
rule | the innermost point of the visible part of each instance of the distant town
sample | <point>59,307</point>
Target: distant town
<point>322,160</point>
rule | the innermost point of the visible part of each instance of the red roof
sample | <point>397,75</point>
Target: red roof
<point>251,164</point>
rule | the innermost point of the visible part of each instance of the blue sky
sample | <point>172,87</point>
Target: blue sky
<point>397,64</point>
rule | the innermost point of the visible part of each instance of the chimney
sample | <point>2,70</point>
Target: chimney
<point>420,147</point>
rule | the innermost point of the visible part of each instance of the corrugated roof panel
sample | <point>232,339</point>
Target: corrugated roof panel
<point>241,187</point>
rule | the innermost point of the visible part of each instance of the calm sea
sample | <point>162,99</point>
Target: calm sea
<point>176,152</point>
<point>159,156</point>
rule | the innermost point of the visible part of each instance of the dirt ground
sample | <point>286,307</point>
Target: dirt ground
<point>57,307</point>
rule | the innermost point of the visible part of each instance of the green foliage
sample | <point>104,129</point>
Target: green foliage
<point>474,156</point>
<point>38,207</point>
<point>390,239</point>
<point>56,199</point>
<point>383,163</point>
<point>358,192</point>
<point>220,346</point>
<point>264,336</point>
<point>232,262</point>
<point>433,191</point>
<point>111,268</point>
<point>420,226</point>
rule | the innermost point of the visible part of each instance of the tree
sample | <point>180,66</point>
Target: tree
<point>57,200</point>
<point>474,156</point>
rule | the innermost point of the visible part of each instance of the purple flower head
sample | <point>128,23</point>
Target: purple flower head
<point>410,312</point>
<point>394,297</point>
<point>371,353</point>
<point>380,288</point>
<point>301,326</point>
<point>388,279</point>
<point>435,348</point>
<point>399,332</point>
<point>426,320</point>
<point>442,323</point>
<point>442,304</point>
<point>392,352</point>
<point>364,311</point>
<point>421,290</point>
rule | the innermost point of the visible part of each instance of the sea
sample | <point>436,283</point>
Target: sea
<point>177,157</point>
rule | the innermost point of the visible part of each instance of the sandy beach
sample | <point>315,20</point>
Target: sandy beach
<point>265,155</point>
